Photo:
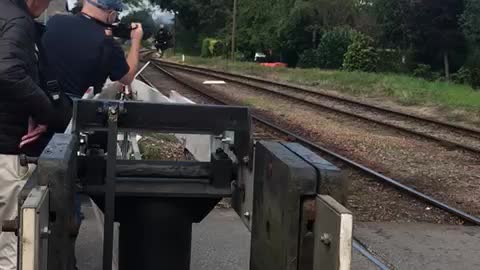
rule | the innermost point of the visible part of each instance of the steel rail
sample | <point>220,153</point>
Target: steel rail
<point>401,187</point>
<point>356,244</point>
<point>441,141</point>
<point>364,169</point>
<point>365,252</point>
<point>145,80</point>
<point>472,130</point>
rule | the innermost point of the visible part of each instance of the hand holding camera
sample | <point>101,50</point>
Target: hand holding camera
<point>134,31</point>
<point>137,32</point>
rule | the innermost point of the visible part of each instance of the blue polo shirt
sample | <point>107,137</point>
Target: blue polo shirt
<point>76,54</point>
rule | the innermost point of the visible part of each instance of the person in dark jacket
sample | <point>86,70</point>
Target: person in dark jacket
<point>25,109</point>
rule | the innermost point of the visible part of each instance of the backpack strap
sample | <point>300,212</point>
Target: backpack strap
<point>48,78</point>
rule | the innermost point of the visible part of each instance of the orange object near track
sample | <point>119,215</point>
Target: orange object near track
<point>277,64</point>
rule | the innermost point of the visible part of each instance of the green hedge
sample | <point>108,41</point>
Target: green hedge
<point>330,51</point>
<point>361,56</point>
<point>212,47</point>
<point>333,46</point>
<point>473,64</point>
<point>308,59</point>
<point>205,52</point>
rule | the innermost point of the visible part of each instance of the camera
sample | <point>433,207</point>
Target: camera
<point>122,30</point>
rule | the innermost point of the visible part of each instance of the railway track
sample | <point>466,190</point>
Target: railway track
<point>265,129</point>
<point>265,132</point>
<point>259,133</point>
<point>280,132</point>
<point>446,134</point>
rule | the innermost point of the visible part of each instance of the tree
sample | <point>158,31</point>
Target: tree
<point>260,26</point>
<point>317,16</point>
<point>470,21</point>
<point>435,30</point>
<point>361,55</point>
<point>331,50</point>
<point>297,31</point>
<point>290,26</point>
<point>336,13</point>
<point>392,18</point>
<point>333,46</point>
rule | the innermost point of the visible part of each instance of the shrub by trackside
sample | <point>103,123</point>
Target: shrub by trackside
<point>212,48</point>
<point>361,55</point>
<point>333,46</point>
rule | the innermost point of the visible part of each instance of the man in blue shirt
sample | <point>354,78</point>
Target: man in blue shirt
<point>81,51</point>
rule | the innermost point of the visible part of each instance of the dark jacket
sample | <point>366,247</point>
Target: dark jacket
<point>20,95</point>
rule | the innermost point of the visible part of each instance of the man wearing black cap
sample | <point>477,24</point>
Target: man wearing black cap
<point>81,51</point>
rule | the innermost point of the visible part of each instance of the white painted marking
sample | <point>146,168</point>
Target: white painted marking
<point>142,69</point>
<point>214,82</point>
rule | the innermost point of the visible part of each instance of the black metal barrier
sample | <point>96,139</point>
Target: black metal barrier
<point>57,169</point>
<point>288,178</point>
<point>159,206</point>
<point>156,202</point>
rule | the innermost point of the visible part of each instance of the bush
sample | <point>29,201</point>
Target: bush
<point>475,78</point>
<point>212,47</point>
<point>361,55</point>
<point>218,48</point>
<point>308,59</point>
<point>330,51</point>
<point>462,76</point>
<point>205,52</point>
<point>423,71</point>
<point>333,46</point>
<point>397,61</point>
<point>473,64</point>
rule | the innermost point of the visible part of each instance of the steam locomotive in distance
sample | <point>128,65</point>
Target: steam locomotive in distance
<point>163,40</point>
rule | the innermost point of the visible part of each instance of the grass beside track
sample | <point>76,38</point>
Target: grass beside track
<point>454,101</point>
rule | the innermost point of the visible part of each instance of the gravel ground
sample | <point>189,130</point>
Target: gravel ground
<point>384,117</point>
<point>326,104</point>
<point>451,176</point>
<point>156,146</point>
<point>458,116</point>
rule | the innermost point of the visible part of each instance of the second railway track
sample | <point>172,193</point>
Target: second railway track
<point>266,124</point>
<point>264,129</point>
<point>369,201</point>
<point>447,134</point>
